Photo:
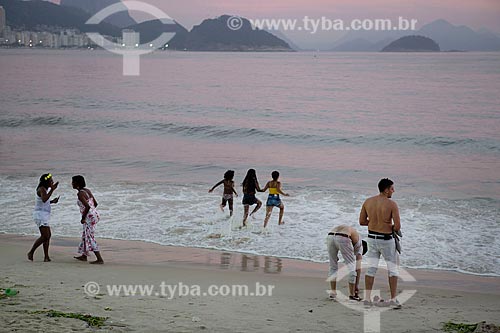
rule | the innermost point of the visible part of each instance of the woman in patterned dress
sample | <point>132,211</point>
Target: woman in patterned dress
<point>90,216</point>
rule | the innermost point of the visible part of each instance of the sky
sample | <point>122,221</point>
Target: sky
<point>474,13</point>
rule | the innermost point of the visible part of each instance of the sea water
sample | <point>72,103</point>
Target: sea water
<point>333,124</point>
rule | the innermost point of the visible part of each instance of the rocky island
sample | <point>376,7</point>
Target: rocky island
<point>412,44</point>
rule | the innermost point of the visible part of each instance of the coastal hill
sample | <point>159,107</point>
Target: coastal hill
<point>448,36</point>
<point>32,15</point>
<point>412,44</point>
<point>451,37</point>
<point>121,19</point>
<point>210,35</point>
<point>215,35</point>
<point>150,30</point>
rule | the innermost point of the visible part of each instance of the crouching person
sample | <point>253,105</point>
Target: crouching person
<point>346,240</point>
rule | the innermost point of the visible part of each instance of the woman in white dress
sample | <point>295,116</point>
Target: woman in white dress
<point>41,213</point>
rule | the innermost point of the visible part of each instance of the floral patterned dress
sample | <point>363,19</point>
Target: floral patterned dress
<point>88,242</point>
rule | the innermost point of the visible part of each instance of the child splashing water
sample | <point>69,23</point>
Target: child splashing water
<point>227,195</point>
<point>273,200</point>
<point>250,186</point>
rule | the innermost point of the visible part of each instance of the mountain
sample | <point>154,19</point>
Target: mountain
<point>412,44</point>
<point>286,39</point>
<point>30,15</point>
<point>150,30</point>
<point>365,41</point>
<point>214,35</point>
<point>355,45</point>
<point>210,35</point>
<point>448,36</point>
<point>451,37</point>
<point>361,45</point>
<point>120,20</point>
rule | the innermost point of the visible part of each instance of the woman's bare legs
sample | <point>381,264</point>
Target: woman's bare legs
<point>247,207</point>
<point>44,239</point>
<point>269,210</point>
<point>230,204</point>
<point>259,204</point>
<point>245,214</point>
<point>282,211</point>
<point>99,258</point>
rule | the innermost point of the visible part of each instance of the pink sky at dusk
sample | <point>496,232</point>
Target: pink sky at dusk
<point>475,14</point>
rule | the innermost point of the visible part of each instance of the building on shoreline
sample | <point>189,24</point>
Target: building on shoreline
<point>65,38</point>
<point>45,36</point>
<point>3,21</point>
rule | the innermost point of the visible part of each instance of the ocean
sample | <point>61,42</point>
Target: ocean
<point>333,124</point>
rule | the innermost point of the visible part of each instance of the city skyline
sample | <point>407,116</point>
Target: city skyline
<point>321,39</point>
<point>481,14</point>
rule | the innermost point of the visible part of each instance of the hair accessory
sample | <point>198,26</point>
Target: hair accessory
<point>48,177</point>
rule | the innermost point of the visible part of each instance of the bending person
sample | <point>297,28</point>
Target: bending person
<point>346,240</point>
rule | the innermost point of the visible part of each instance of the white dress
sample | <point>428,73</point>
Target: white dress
<point>41,213</point>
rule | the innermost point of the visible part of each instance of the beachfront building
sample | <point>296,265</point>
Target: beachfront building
<point>3,21</point>
<point>9,36</point>
<point>66,38</point>
<point>130,38</point>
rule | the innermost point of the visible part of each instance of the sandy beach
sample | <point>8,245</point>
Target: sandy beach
<point>298,301</point>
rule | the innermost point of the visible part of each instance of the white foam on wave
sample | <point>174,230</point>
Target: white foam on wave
<point>438,234</point>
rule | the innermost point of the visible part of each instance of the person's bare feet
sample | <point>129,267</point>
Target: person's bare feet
<point>97,262</point>
<point>221,208</point>
<point>81,258</point>
<point>30,256</point>
<point>47,259</point>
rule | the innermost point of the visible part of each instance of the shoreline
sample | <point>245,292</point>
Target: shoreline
<point>154,254</point>
<point>298,301</point>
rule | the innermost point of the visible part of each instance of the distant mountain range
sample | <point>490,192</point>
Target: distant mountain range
<point>120,20</point>
<point>210,35</point>
<point>214,35</point>
<point>448,36</point>
<point>286,39</point>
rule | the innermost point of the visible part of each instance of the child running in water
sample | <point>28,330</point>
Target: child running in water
<point>227,196</point>
<point>41,214</point>
<point>250,185</point>
<point>273,200</point>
